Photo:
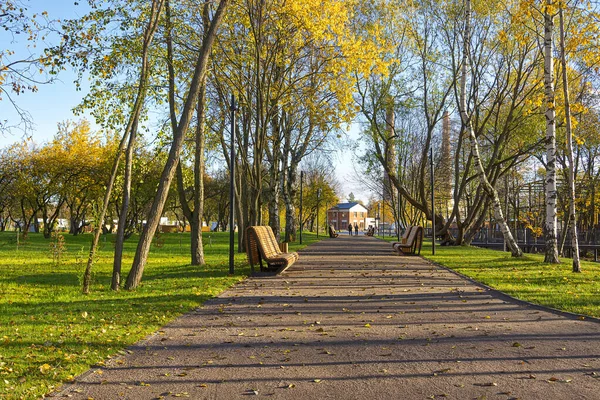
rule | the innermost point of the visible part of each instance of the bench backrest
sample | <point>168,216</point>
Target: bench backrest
<point>404,237</point>
<point>412,235</point>
<point>418,240</point>
<point>332,231</point>
<point>262,239</point>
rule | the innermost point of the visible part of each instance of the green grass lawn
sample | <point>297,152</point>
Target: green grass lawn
<point>527,278</point>
<point>50,332</point>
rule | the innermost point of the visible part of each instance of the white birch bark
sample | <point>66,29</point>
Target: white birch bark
<point>551,220</point>
<point>466,120</point>
<point>571,174</point>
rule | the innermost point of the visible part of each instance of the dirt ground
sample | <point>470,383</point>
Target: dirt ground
<point>352,320</point>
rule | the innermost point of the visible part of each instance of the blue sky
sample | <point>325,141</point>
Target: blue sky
<point>53,103</point>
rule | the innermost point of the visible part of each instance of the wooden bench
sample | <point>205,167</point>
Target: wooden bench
<point>261,245</point>
<point>332,232</point>
<point>404,236</point>
<point>413,244</point>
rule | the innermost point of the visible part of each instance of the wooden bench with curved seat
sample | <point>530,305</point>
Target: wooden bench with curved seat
<point>332,232</point>
<point>413,243</point>
<point>261,245</point>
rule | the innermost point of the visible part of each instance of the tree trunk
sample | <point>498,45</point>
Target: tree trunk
<point>571,173</point>
<point>196,220</point>
<point>141,255</point>
<point>120,239</point>
<point>135,115</point>
<point>274,193</point>
<point>193,216</point>
<point>289,194</point>
<point>487,187</point>
<point>550,226</point>
<point>87,275</point>
<point>46,222</point>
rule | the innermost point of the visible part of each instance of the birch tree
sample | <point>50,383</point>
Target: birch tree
<point>571,164</point>
<point>550,227</point>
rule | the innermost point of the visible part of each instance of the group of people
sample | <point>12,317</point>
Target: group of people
<point>355,229</point>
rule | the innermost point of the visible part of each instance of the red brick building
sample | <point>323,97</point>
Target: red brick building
<point>344,214</point>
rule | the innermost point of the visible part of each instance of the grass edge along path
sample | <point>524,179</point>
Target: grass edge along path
<point>50,332</point>
<point>527,278</point>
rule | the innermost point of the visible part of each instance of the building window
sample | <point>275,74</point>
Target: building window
<point>355,214</point>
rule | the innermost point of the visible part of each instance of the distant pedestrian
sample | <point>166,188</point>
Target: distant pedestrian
<point>350,229</point>
<point>356,229</point>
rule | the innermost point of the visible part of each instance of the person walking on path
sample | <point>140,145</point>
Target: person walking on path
<point>355,229</point>
<point>350,229</point>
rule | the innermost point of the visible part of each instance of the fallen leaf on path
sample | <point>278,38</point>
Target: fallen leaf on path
<point>441,371</point>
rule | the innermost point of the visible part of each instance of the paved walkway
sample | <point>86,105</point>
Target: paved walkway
<point>351,320</point>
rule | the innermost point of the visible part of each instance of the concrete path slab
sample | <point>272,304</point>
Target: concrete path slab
<point>352,320</point>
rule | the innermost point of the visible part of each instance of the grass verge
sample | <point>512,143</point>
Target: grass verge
<point>50,332</point>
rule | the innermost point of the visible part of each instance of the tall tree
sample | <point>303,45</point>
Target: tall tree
<point>132,127</point>
<point>571,174</point>
<point>467,126</point>
<point>550,227</point>
<point>194,212</point>
<point>141,255</point>
<point>292,64</point>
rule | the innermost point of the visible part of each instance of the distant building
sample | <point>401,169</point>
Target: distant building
<point>344,214</point>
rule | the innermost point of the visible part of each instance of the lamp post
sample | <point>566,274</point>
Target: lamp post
<point>398,201</point>
<point>301,195</point>
<point>378,218</point>
<point>383,210</point>
<point>232,187</point>
<point>318,198</point>
<point>432,204</point>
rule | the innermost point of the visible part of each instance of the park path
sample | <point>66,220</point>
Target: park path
<point>351,320</point>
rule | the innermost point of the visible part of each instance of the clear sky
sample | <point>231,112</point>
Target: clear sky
<point>53,103</point>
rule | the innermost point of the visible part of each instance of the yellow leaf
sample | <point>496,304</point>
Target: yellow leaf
<point>44,369</point>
